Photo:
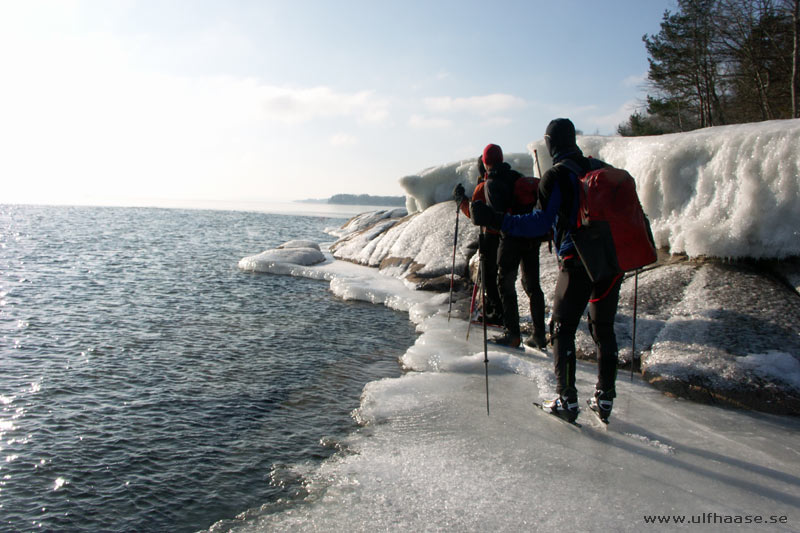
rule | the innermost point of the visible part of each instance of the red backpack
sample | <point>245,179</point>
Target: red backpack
<point>613,234</point>
<point>526,194</point>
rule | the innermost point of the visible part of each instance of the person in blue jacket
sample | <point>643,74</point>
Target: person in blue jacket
<point>557,210</point>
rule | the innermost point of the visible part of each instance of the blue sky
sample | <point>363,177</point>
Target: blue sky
<point>113,101</point>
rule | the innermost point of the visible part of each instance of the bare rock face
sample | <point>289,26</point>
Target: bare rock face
<point>731,338</point>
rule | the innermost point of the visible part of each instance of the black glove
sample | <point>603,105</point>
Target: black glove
<point>483,215</point>
<point>458,194</point>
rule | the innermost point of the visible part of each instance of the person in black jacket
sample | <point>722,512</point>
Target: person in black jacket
<point>513,251</point>
<point>488,250</point>
<point>558,209</point>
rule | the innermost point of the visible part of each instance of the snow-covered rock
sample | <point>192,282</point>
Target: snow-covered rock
<point>726,191</point>
<point>295,244</point>
<point>293,252</point>
<point>366,220</point>
<point>418,248</point>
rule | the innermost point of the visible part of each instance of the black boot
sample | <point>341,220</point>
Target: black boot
<point>536,340</point>
<point>507,339</point>
<point>602,403</point>
<point>562,408</point>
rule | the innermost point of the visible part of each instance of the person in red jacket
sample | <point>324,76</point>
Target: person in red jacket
<point>491,240</point>
<point>513,252</point>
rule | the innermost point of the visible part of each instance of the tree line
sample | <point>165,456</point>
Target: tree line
<point>718,62</point>
<point>367,199</point>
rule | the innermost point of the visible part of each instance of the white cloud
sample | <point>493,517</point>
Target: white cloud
<point>343,139</point>
<point>635,81</point>
<point>423,122</point>
<point>478,105</point>
<point>292,105</point>
<point>499,121</point>
<point>608,123</point>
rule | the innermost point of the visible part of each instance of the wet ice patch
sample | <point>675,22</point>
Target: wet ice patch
<point>653,443</point>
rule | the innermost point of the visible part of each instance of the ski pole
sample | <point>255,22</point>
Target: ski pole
<point>539,169</point>
<point>475,290</point>
<point>635,300</point>
<point>483,312</point>
<point>453,268</point>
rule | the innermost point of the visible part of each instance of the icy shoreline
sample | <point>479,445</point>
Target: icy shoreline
<point>713,330</point>
<point>427,457</point>
<point>719,332</point>
<point>710,331</point>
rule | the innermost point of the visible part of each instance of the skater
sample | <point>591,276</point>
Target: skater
<point>491,239</point>
<point>513,251</point>
<point>557,209</point>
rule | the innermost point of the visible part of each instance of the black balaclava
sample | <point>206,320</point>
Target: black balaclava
<point>560,138</point>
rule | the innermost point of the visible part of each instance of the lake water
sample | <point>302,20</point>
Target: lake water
<point>147,384</point>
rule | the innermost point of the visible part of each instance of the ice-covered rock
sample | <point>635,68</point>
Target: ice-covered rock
<point>726,191</point>
<point>295,252</point>
<point>418,248</point>
<point>366,220</point>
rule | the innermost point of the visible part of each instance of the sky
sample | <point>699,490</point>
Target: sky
<point>130,102</point>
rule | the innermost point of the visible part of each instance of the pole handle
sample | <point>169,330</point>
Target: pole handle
<point>536,158</point>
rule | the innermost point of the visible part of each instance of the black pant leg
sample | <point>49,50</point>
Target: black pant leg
<point>573,289</point>
<point>602,312</point>
<point>508,259</point>
<point>532,286</point>
<point>491,241</point>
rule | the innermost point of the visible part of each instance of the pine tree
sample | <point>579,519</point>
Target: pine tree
<point>721,62</point>
<point>684,70</point>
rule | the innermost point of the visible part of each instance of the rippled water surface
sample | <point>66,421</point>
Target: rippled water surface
<point>146,384</point>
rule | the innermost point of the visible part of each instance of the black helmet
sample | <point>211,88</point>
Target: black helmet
<point>560,138</point>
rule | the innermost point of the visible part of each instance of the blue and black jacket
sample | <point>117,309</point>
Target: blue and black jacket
<point>558,204</point>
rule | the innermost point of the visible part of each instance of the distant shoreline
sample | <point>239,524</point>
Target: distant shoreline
<point>359,199</point>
